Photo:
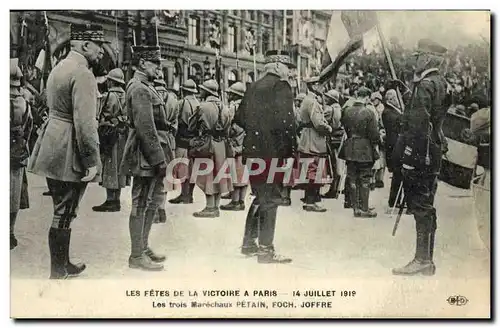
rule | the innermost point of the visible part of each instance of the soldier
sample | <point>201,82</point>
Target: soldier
<point>236,136</point>
<point>149,148</point>
<point>420,149</point>
<point>170,100</point>
<point>21,123</point>
<point>379,166</point>
<point>312,144</point>
<point>187,106</point>
<point>67,150</point>
<point>333,114</point>
<point>391,117</point>
<point>113,128</point>
<point>359,151</point>
<point>212,119</point>
<point>266,114</point>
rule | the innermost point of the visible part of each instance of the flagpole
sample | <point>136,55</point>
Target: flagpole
<point>156,28</point>
<point>391,65</point>
<point>254,65</point>
<point>284,28</point>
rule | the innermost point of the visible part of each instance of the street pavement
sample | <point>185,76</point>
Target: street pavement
<point>332,244</point>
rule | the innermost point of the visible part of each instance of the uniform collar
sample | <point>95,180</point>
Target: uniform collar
<point>424,74</point>
<point>142,77</point>
<point>78,57</point>
<point>212,99</point>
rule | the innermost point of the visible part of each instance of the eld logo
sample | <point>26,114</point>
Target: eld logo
<point>457,300</point>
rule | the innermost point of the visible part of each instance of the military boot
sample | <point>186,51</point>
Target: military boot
<point>157,258</point>
<point>267,255</point>
<point>364,197</point>
<point>421,263</point>
<point>250,248</point>
<point>233,206</point>
<point>58,253</point>
<point>72,269</point>
<point>108,206</point>
<point>207,213</point>
<point>314,208</point>
<point>181,199</point>
<point>144,262</point>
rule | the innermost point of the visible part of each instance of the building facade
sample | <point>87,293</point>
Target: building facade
<point>190,40</point>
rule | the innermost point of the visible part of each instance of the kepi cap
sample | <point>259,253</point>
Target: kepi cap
<point>279,56</point>
<point>148,53</point>
<point>87,32</point>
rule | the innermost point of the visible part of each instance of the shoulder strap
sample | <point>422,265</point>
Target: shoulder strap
<point>98,116</point>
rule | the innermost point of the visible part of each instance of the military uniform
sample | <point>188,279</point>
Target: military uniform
<point>235,140</point>
<point>20,128</point>
<point>266,114</point>
<point>333,115</point>
<point>391,118</point>
<point>312,144</point>
<point>68,145</point>
<point>187,107</point>
<point>420,149</point>
<point>359,151</point>
<point>149,148</point>
<point>113,121</point>
<point>213,119</point>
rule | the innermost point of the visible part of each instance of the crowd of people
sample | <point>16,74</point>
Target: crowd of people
<point>131,132</point>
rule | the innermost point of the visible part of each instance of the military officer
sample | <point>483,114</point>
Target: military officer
<point>212,119</point>
<point>312,143</point>
<point>187,106</point>
<point>113,124</point>
<point>266,114</point>
<point>149,148</point>
<point>236,136</point>
<point>359,151</point>
<point>67,150</point>
<point>21,123</point>
<point>420,149</point>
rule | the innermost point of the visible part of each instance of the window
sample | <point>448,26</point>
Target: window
<point>252,15</point>
<point>265,19</point>
<point>265,42</point>
<point>194,31</point>
<point>231,39</point>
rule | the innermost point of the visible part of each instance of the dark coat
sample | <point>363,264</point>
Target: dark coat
<point>361,126</point>
<point>428,105</point>
<point>266,114</point>
<point>68,143</point>
<point>391,119</point>
<point>153,125</point>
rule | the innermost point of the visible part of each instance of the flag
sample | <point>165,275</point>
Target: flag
<point>345,35</point>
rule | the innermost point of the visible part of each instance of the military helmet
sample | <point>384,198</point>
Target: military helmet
<point>116,74</point>
<point>15,73</point>
<point>210,86</point>
<point>190,86</point>
<point>364,92</point>
<point>376,95</point>
<point>237,88</point>
<point>333,94</point>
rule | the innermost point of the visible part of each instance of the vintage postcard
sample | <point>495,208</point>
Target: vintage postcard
<point>250,164</point>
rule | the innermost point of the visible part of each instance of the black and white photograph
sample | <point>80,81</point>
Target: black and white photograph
<point>250,163</point>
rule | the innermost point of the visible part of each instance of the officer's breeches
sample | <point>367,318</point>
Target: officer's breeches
<point>421,189</point>
<point>147,195</point>
<point>359,175</point>
<point>66,197</point>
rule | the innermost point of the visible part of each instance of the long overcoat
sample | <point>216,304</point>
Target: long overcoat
<point>152,129</point>
<point>69,144</point>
